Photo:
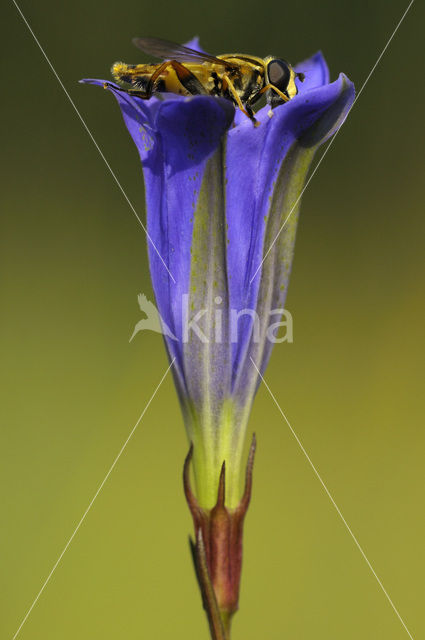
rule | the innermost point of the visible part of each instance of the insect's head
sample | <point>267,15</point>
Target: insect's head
<point>281,75</point>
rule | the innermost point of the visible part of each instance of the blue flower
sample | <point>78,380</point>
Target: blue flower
<point>222,209</point>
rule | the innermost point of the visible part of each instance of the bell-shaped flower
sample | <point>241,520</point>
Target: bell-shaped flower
<point>222,200</point>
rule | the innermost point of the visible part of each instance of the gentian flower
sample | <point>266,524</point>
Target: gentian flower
<point>222,209</point>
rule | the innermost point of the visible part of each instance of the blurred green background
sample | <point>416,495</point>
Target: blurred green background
<point>73,259</point>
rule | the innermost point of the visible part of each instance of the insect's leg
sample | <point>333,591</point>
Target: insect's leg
<point>188,80</point>
<point>131,92</point>
<point>269,87</point>
<point>227,83</point>
<point>250,111</point>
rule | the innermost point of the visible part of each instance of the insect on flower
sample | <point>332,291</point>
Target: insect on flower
<point>241,78</point>
<point>222,204</point>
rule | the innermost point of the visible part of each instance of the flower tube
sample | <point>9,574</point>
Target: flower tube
<point>222,201</point>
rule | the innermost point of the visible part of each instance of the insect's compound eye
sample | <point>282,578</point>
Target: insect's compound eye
<point>279,74</point>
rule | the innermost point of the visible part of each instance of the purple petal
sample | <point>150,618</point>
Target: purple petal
<point>174,138</point>
<point>264,168</point>
<point>315,70</point>
<point>136,112</point>
<point>254,160</point>
<point>189,132</point>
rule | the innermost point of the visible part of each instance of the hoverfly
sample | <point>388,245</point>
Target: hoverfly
<point>235,76</point>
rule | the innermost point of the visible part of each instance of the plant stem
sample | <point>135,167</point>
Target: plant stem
<point>217,549</point>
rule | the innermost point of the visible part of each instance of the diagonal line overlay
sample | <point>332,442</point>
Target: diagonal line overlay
<point>83,122</point>
<point>99,489</point>
<point>318,476</point>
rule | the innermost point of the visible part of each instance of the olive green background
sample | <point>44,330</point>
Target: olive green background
<point>73,259</point>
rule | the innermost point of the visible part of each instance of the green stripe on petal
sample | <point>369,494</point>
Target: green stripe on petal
<point>211,419</point>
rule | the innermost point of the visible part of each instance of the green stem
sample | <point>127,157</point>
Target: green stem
<point>226,619</point>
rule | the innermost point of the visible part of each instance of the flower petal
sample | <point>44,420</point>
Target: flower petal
<point>136,112</point>
<point>207,358</point>
<point>174,138</point>
<point>316,72</point>
<point>221,218</point>
<point>259,162</point>
<point>190,130</point>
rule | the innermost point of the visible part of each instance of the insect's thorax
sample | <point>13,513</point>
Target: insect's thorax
<point>248,77</point>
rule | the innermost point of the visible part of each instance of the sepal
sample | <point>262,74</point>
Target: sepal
<point>217,549</point>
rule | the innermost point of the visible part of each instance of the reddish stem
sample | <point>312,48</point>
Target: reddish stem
<point>217,550</point>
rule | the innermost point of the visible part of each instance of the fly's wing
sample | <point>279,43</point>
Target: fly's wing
<point>172,51</point>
